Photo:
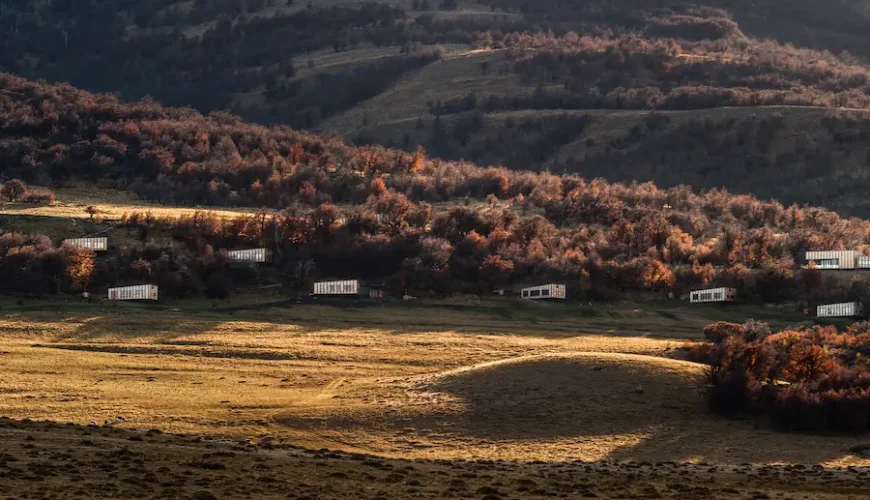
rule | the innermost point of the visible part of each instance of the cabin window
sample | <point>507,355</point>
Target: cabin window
<point>536,293</point>
<point>828,263</point>
<point>545,292</point>
<point>348,288</point>
<point>525,293</point>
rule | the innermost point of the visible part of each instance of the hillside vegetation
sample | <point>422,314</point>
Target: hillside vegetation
<point>807,379</point>
<point>403,220</point>
<point>489,81</point>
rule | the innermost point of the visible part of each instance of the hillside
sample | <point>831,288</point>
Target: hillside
<point>405,221</point>
<point>473,80</point>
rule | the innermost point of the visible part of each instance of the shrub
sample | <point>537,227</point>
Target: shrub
<point>12,190</point>
<point>807,379</point>
<point>38,195</point>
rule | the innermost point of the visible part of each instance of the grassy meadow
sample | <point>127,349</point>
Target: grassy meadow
<point>464,378</point>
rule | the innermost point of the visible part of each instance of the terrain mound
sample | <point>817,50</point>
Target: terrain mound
<point>572,395</point>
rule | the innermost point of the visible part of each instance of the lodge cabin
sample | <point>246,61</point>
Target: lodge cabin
<point>135,292</point>
<point>713,295</point>
<point>550,291</point>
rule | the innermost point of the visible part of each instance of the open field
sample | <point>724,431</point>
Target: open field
<point>455,76</point>
<point>110,204</point>
<point>72,462</point>
<point>67,218</point>
<point>492,380</point>
<point>605,127</point>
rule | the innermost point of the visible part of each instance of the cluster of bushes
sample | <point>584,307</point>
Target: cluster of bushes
<point>807,23</point>
<point>593,234</point>
<point>233,52</point>
<point>30,264</point>
<point>633,72</point>
<point>16,190</point>
<point>807,379</point>
<point>599,238</point>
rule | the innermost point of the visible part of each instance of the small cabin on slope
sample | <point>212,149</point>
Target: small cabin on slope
<point>544,292</point>
<point>95,244</point>
<point>254,255</point>
<point>841,310</point>
<point>837,259</point>
<point>135,292</point>
<point>338,288</point>
<point>713,295</point>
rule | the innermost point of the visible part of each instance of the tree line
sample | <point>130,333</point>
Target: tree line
<point>502,226</point>
<point>805,379</point>
<point>206,54</point>
<point>805,23</point>
<point>635,72</point>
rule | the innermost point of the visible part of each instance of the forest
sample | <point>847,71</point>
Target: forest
<point>215,55</point>
<point>235,52</point>
<point>404,219</point>
<point>570,65</point>
<point>805,379</point>
<point>836,26</point>
<point>633,72</point>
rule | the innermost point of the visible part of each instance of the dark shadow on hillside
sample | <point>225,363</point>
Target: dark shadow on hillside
<point>549,398</point>
<point>101,319</point>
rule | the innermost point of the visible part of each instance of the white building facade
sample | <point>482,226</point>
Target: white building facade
<point>712,295</point>
<point>837,259</point>
<point>842,310</point>
<point>95,244</point>
<point>543,292</point>
<point>338,287</point>
<point>257,255</point>
<point>135,292</point>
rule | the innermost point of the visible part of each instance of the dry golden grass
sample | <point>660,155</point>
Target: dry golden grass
<point>47,460</point>
<point>399,381</point>
<point>455,76</point>
<point>111,205</point>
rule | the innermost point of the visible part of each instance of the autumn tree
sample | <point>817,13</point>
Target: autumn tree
<point>418,161</point>
<point>12,189</point>
<point>80,267</point>
<point>495,272</point>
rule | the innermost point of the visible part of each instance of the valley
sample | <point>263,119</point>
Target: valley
<point>457,380</point>
<point>282,249</point>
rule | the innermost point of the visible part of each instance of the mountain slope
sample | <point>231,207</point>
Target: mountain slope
<point>405,220</point>
<point>471,80</point>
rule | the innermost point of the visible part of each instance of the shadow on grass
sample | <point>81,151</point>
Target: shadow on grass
<point>669,320</point>
<point>646,409</point>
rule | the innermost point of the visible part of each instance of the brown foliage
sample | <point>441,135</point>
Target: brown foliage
<point>12,190</point>
<point>810,378</point>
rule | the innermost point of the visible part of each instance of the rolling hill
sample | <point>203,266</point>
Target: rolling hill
<point>762,97</point>
<point>406,221</point>
<point>702,93</point>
